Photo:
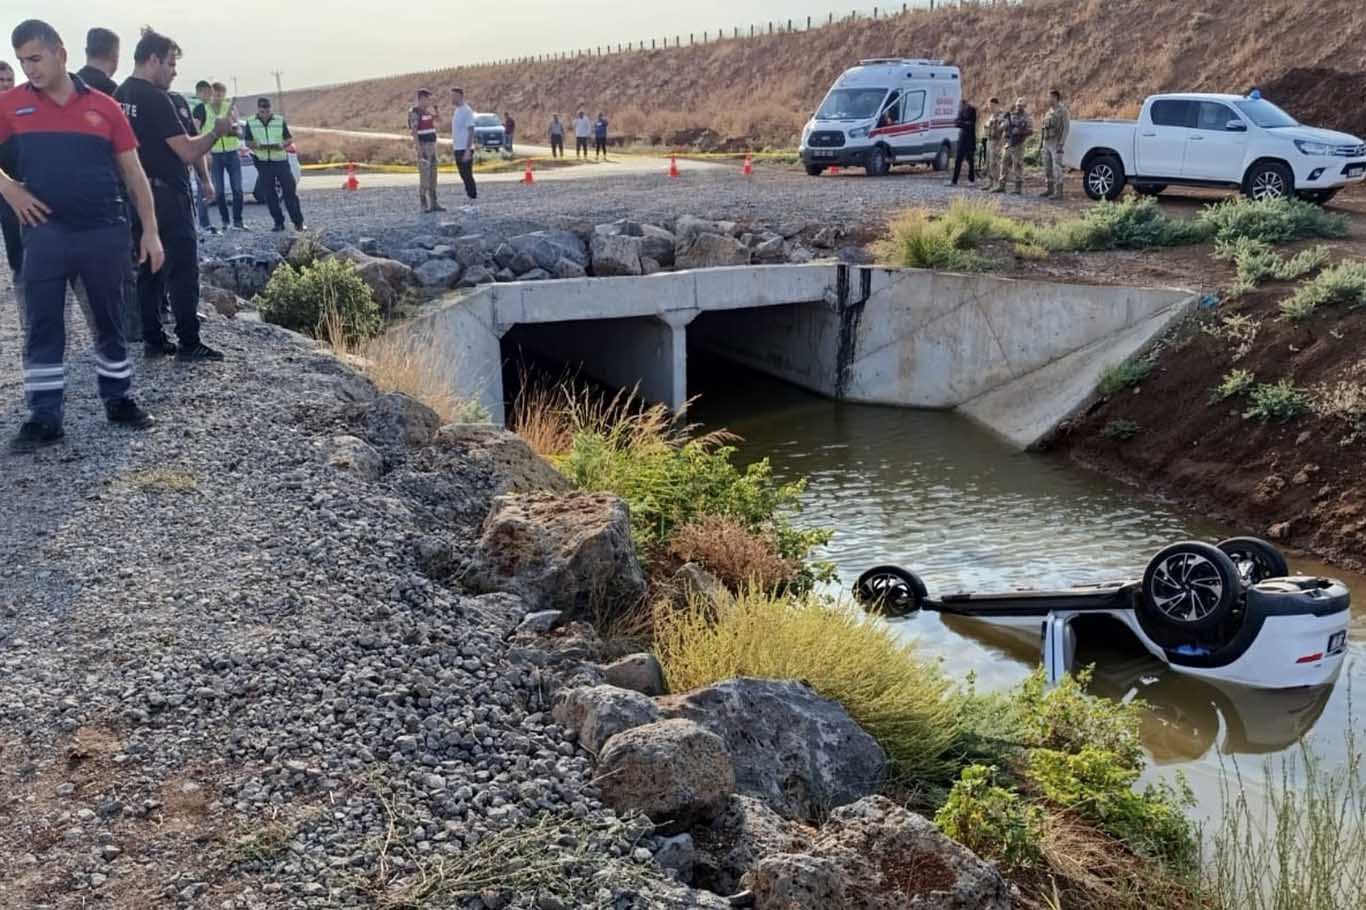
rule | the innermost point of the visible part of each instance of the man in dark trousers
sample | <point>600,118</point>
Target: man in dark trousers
<point>268,138</point>
<point>167,151</point>
<point>101,60</point>
<point>967,142</point>
<point>76,153</point>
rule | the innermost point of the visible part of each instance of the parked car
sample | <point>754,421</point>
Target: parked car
<point>1228,141</point>
<point>885,111</point>
<point>489,132</point>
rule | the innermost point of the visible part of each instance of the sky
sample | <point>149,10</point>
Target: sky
<point>316,43</point>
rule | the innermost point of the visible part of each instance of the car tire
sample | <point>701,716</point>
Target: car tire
<point>877,164</point>
<point>1255,559</point>
<point>815,170</point>
<point>1190,586</point>
<point>1149,189</point>
<point>890,591</point>
<point>941,158</point>
<point>1103,178</point>
<point>1269,180</point>
<point>1320,197</point>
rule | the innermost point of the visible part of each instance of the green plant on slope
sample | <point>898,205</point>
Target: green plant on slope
<point>994,822</point>
<point>1239,332</point>
<point>1120,429</point>
<point>1132,224</point>
<point>303,298</point>
<point>1235,382</point>
<point>1256,262</point>
<point>1280,401</point>
<point>1120,376</point>
<point>1342,285</point>
<point>1270,221</point>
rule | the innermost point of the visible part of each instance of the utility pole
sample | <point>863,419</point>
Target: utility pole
<point>279,92</point>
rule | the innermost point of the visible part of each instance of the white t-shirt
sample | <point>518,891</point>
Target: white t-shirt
<point>462,121</point>
<point>583,127</point>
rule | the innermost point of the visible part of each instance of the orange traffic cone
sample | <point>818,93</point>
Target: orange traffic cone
<point>351,182</point>
<point>673,166</point>
<point>748,169</point>
<point>527,178</point>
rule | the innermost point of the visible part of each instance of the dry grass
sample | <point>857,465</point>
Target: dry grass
<point>1087,870</point>
<point>737,556</point>
<point>164,480</point>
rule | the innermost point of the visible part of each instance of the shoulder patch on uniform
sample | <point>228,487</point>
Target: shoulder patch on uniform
<point>25,111</point>
<point>95,118</point>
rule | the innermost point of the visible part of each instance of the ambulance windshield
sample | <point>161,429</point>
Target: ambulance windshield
<point>852,104</point>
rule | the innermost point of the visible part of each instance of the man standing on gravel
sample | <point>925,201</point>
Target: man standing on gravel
<point>1055,126</point>
<point>996,141</point>
<point>225,157</point>
<point>77,153</point>
<point>583,128</point>
<point>556,136</point>
<point>167,151</point>
<point>463,141</point>
<point>600,136</point>
<point>509,128</point>
<point>422,124</point>
<point>268,137</point>
<point>967,142</point>
<point>1018,130</point>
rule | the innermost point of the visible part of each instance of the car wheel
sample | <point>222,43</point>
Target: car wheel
<point>1269,180</point>
<point>815,170</point>
<point>1255,559</point>
<point>1104,178</point>
<point>1149,189</point>
<point>941,160</point>
<point>890,590</point>
<point>1191,586</point>
<point>878,164</point>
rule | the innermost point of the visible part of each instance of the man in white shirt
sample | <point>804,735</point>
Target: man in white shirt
<point>462,137</point>
<point>583,128</point>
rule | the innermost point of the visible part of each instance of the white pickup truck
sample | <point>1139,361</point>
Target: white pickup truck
<point>1232,141</point>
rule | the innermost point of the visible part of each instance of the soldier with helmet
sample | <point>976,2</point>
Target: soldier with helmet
<point>1018,129</point>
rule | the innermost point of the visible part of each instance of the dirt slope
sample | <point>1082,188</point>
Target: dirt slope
<point>1105,54</point>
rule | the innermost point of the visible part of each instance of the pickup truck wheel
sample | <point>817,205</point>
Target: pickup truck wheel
<point>1149,189</point>
<point>877,163</point>
<point>815,170</point>
<point>941,160</point>
<point>1104,178</point>
<point>1269,180</point>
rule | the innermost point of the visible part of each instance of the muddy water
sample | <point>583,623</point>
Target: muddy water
<point>932,492</point>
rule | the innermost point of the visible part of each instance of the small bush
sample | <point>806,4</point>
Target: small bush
<point>1280,401</point>
<point>1342,285</point>
<point>302,298</point>
<point>1235,382</point>
<point>1121,376</point>
<point>992,821</point>
<point>921,242</point>
<point>1031,250</point>
<point>1270,221</point>
<point>1256,262</point>
<point>1122,430</point>
<point>1132,224</point>
<point>1238,331</point>
<point>1098,786</point>
<point>739,557</point>
<point>905,703</point>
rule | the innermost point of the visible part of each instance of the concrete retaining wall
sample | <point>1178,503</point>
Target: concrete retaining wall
<point>1016,355</point>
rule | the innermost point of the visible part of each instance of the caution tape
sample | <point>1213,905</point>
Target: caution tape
<point>512,163</point>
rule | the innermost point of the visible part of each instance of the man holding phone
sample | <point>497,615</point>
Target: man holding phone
<point>268,139</point>
<point>225,161</point>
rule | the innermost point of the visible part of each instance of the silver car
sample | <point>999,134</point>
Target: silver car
<point>489,132</point>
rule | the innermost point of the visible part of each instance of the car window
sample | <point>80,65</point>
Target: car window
<point>487,120</point>
<point>913,107</point>
<point>1214,116</point>
<point>891,111</point>
<point>1265,114</point>
<point>1172,113</point>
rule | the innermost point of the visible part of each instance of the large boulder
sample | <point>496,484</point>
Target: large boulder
<point>245,275</point>
<point>876,855</point>
<point>657,244</point>
<point>597,713</point>
<point>514,466</point>
<point>504,255</point>
<point>476,275</point>
<point>687,228</point>
<point>798,752</point>
<point>438,274</point>
<point>637,672</point>
<point>623,227</point>
<point>352,455</point>
<point>469,250</point>
<point>568,268</point>
<point>413,257</point>
<point>743,833</point>
<point>616,254</point>
<point>569,245</point>
<point>395,420</point>
<point>706,251</point>
<point>674,771</point>
<point>571,553</point>
<point>539,250</point>
<point>224,302</point>
<point>388,279</point>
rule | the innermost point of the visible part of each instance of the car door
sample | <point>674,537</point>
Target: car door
<point>1161,144</point>
<point>1213,151</point>
<point>911,139</point>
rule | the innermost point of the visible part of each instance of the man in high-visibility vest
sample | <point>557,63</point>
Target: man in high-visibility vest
<point>267,137</point>
<point>224,158</point>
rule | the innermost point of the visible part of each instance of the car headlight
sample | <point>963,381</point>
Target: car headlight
<point>858,132</point>
<point>1313,148</point>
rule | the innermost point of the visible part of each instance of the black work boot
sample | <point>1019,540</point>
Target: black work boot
<point>36,434</point>
<point>125,412</point>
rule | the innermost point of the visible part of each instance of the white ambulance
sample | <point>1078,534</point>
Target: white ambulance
<point>883,112</point>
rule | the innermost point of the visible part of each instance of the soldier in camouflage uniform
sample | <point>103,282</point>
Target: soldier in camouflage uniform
<point>1056,123</point>
<point>996,139</point>
<point>1018,130</point>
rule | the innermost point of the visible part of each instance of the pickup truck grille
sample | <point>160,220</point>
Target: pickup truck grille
<point>825,139</point>
<point>1350,151</point>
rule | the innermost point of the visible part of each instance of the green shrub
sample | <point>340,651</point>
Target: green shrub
<point>1098,785</point>
<point>1235,382</point>
<point>1280,401</point>
<point>1256,262</point>
<point>303,298</point>
<point>1237,331</point>
<point>905,703</point>
<point>949,241</point>
<point>1120,429</point>
<point>1342,285</point>
<point>1132,224</point>
<point>992,821</point>
<point>1121,376</point>
<point>1270,221</point>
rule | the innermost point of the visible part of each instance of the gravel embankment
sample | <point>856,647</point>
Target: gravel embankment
<point>225,682</point>
<point>773,196</point>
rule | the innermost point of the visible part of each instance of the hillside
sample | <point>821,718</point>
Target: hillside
<point>1104,55</point>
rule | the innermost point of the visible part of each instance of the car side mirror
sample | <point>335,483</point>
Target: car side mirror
<point>1236,126</point>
